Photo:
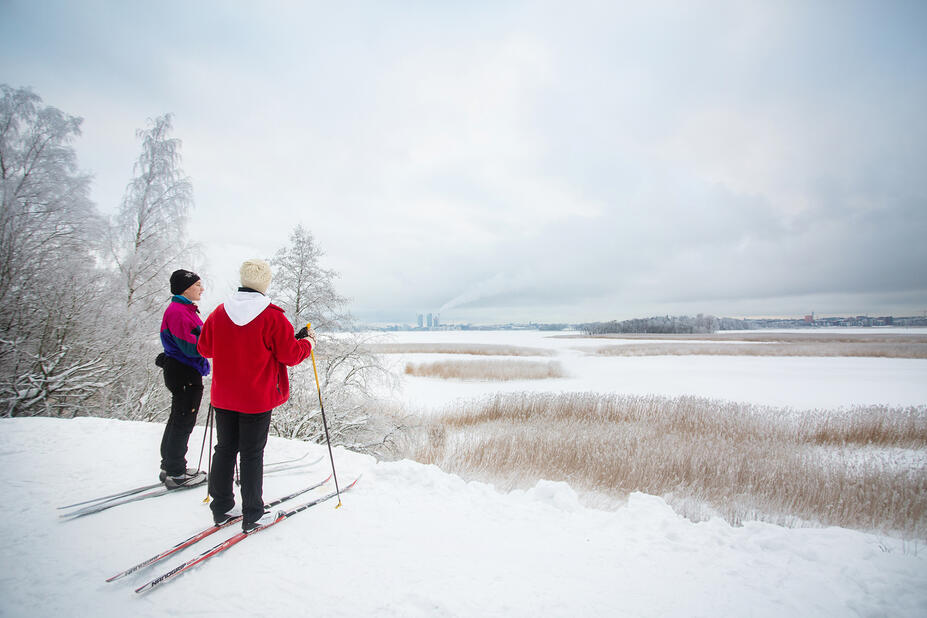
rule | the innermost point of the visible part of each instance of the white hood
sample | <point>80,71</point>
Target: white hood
<point>243,307</point>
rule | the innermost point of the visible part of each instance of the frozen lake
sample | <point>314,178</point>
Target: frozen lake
<point>796,382</point>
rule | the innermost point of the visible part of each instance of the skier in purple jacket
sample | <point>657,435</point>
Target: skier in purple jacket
<point>184,369</point>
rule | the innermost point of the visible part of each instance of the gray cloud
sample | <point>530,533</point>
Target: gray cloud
<point>544,161</point>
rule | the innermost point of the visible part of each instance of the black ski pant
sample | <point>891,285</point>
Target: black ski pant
<point>244,434</point>
<point>186,386</point>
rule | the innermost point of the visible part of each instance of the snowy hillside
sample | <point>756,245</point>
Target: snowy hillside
<point>409,541</point>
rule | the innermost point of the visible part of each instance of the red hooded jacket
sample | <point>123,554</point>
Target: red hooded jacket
<point>251,343</point>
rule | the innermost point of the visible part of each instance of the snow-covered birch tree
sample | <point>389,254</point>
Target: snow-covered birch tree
<point>50,358</point>
<point>347,371</point>
<point>149,233</point>
<point>305,289</point>
<point>148,240</point>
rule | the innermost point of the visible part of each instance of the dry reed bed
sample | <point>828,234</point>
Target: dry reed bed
<point>498,370</point>
<point>820,349</point>
<point>742,461</point>
<point>474,349</point>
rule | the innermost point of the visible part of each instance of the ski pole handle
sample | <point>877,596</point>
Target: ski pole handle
<point>314,370</point>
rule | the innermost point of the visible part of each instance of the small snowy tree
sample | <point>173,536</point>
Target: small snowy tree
<point>305,289</point>
<point>51,358</point>
<point>347,371</point>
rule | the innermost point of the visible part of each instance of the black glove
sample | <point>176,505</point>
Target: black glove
<point>196,330</point>
<point>307,333</point>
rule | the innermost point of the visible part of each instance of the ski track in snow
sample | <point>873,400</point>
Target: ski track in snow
<point>410,540</point>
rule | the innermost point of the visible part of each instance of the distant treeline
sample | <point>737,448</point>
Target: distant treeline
<point>666,325</point>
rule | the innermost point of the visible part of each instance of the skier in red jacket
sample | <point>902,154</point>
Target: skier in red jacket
<point>251,343</point>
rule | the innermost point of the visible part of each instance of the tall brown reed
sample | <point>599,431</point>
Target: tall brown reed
<point>742,461</point>
<point>497,370</point>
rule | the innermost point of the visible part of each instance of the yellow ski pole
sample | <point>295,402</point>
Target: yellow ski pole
<point>324,421</point>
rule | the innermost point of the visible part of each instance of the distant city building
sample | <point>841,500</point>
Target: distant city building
<point>437,317</point>
<point>430,321</point>
<point>421,320</point>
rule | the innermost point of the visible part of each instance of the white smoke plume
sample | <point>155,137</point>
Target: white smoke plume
<point>495,285</point>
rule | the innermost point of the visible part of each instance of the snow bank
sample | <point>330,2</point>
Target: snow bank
<point>409,541</point>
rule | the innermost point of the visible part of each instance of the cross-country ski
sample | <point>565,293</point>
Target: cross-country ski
<point>207,532</point>
<point>159,490</point>
<point>295,462</point>
<point>114,496</point>
<point>234,540</point>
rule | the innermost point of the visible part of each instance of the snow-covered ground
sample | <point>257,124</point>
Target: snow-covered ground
<point>414,541</point>
<point>409,541</point>
<point>796,382</point>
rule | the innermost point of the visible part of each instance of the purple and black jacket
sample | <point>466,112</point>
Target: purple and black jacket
<point>180,329</point>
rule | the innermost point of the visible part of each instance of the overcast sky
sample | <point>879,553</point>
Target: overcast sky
<point>497,161</point>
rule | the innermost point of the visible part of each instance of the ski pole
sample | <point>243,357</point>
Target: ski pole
<point>324,422</point>
<point>199,463</point>
<point>209,421</point>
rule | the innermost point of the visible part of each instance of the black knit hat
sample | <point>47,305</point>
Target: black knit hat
<point>182,279</point>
